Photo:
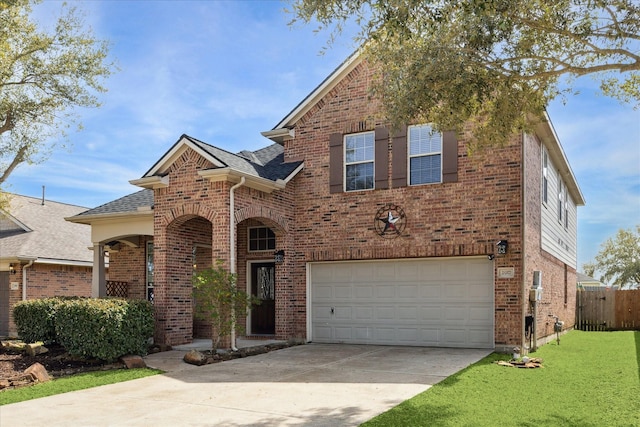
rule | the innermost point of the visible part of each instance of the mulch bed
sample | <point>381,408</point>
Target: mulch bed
<point>56,361</point>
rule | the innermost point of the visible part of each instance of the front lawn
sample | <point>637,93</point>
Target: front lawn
<point>590,379</point>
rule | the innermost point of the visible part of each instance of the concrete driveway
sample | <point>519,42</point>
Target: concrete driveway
<point>307,385</point>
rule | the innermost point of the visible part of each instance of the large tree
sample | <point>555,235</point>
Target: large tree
<point>493,63</point>
<point>618,262</point>
<point>44,76</point>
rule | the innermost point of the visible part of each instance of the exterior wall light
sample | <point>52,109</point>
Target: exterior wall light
<point>278,256</point>
<point>12,269</point>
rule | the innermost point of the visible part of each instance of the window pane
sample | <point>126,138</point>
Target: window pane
<point>359,176</point>
<point>261,239</point>
<point>424,140</point>
<point>359,147</point>
<point>425,169</point>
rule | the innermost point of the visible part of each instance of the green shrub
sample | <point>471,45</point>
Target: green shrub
<point>104,329</point>
<point>35,319</point>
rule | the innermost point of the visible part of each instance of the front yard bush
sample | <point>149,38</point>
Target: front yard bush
<point>35,319</point>
<point>104,329</point>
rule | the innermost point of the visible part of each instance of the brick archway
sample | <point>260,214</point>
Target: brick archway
<point>184,212</point>
<point>257,211</point>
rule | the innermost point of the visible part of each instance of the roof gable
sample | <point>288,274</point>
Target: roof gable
<point>264,169</point>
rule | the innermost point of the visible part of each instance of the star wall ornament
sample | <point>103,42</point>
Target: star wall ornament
<point>390,221</point>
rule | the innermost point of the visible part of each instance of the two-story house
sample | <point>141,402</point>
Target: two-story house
<point>381,235</point>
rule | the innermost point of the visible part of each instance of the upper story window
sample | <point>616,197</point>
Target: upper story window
<point>545,176</point>
<point>425,155</point>
<point>561,200</point>
<point>261,239</point>
<point>359,161</point>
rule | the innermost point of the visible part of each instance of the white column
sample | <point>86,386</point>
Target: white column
<point>99,283</point>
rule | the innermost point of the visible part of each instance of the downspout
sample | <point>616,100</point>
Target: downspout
<point>524,293</point>
<point>24,280</point>
<point>232,245</point>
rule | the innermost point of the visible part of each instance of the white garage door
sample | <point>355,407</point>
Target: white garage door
<point>420,302</point>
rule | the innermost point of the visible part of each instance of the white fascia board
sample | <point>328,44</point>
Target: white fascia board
<point>293,174</point>
<point>231,175</point>
<point>151,182</point>
<point>546,130</point>
<point>176,151</point>
<point>63,262</point>
<point>90,219</point>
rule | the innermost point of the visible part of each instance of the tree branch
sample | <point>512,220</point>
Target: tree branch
<point>19,158</point>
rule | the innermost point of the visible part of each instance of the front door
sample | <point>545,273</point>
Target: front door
<point>263,286</point>
<point>4,303</point>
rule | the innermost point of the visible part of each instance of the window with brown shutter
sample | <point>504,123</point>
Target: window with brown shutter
<point>399,158</point>
<point>335,163</point>
<point>382,158</point>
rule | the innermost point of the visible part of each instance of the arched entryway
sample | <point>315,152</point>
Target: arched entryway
<point>185,246</point>
<point>258,273</point>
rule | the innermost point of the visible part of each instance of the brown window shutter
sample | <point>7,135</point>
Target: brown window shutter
<point>399,152</point>
<point>336,163</point>
<point>382,158</point>
<point>449,157</point>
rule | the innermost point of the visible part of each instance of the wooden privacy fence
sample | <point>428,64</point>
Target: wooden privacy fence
<point>608,310</point>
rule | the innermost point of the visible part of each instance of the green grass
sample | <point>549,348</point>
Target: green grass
<point>590,379</point>
<point>72,383</point>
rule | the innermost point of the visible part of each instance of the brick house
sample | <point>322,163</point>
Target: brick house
<point>41,254</point>
<point>384,237</point>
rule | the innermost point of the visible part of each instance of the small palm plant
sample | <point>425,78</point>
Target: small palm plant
<point>219,300</point>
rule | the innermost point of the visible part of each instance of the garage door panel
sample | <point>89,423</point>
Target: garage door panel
<point>362,291</point>
<point>407,313</point>
<point>429,302</point>
<point>385,313</point>
<point>363,313</point>
<point>407,291</point>
<point>430,313</point>
<point>383,291</point>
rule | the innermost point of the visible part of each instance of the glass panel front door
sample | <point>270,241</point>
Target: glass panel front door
<point>263,286</point>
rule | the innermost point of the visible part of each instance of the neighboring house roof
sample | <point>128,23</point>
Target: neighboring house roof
<point>264,169</point>
<point>588,283</point>
<point>33,230</point>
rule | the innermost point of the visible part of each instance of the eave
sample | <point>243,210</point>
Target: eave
<point>544,129</point>
<point>151,182</point>
<point>147,211</point>
<point>231,175</point>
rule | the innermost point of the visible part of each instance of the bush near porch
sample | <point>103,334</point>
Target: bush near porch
<point>103,329</point>
<point>589,379</point>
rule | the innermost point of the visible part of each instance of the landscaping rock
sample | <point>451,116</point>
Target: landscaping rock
<point>133,362</point>
<point>38,372</point>
<point>195,357</point>
<point>35,349</point>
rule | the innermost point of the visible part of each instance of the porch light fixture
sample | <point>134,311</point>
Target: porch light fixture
<point>502,247</point>
<point>12,270</point>
<point>278,256</point>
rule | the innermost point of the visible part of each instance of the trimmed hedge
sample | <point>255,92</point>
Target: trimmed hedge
<point>104,329</point>
<point>35,319</point>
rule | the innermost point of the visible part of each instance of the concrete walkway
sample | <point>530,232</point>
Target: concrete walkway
<point>306,385</point>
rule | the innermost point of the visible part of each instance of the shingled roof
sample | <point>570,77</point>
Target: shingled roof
<point>34,230</point>
<point>267,163</point>
<point>127,204</point>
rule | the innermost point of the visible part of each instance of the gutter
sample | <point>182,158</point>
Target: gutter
<point>24,279</point>
<point>232,244</point>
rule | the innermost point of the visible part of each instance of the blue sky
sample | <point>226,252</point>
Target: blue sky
<point>223,71</point>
